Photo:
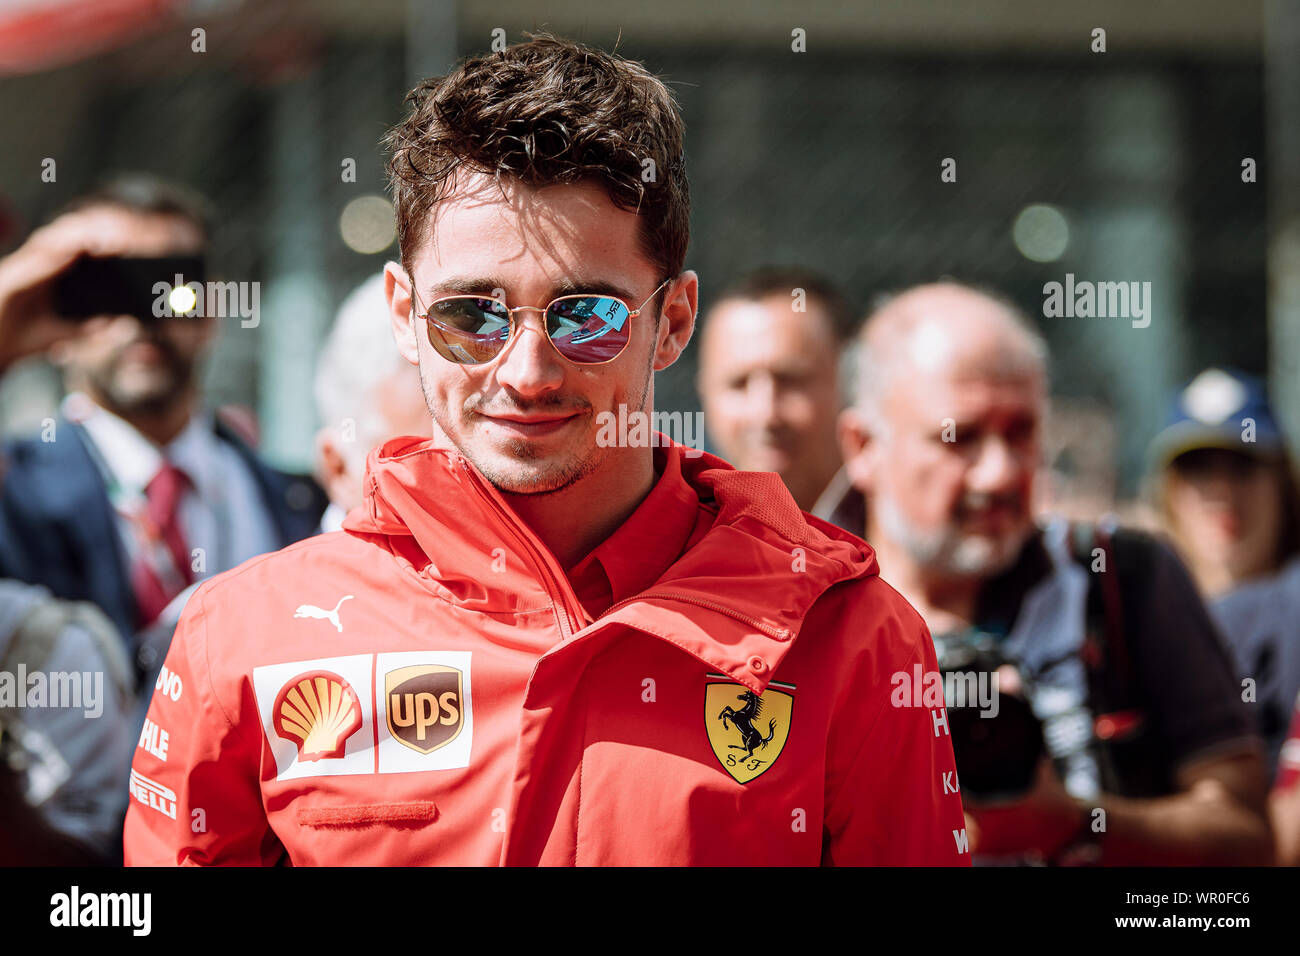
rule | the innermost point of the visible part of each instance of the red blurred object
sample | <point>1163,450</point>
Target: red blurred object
<point>42,34</point>
<point>1118,725</point>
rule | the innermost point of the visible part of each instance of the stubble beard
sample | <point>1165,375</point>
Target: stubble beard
<point>170,383</point>
<point>514,475</point>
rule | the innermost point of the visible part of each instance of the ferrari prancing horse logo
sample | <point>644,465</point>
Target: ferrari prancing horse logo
<point>747,732</point>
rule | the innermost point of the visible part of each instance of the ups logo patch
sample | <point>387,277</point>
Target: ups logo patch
<point>425,710</point>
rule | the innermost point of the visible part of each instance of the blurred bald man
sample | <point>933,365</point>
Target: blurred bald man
<point>768,376</point>
<point>365,394</point>
<point>1118,736</point>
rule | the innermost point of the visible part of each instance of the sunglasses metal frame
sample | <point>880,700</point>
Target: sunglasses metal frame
<point>510,315</point>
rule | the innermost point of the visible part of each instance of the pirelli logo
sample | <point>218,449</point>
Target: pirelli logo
<point>153,794</point>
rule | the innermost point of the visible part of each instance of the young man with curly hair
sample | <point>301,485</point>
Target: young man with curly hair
<point>532,644</point>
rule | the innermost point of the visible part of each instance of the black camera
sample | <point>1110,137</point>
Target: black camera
<point>996,738</point>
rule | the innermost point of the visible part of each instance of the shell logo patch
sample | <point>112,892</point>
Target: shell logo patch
<point>322,729</point>
<point>318,711</point>
<point>746,731</point>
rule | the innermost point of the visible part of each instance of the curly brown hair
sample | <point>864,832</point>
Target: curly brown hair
<point>547,112</point>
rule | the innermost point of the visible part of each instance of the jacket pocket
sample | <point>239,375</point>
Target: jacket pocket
<point>405,816</point>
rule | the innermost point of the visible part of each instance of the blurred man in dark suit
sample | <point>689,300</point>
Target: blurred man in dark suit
<point>137,490</point>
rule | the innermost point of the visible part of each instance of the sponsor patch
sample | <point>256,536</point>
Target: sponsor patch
<point>426,713</point>
<point>153,794</point>
<point>367,713</point>
<point>318,711</point>
<point>747,732</point>
<point>423,710</point>
<point>323,728</point>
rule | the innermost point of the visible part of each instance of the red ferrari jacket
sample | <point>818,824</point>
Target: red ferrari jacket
<point>424,687</point>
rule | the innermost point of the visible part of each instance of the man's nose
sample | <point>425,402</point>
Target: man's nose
<point>762,398</point>
<point>996,468</point>
<point>1218,487</point>
<point>123,328</point>
<point>530,364</point>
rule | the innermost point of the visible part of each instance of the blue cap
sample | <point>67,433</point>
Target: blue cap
<point>1215,410</point>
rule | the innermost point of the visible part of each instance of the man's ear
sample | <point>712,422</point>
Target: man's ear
<point>332,470</point>
<point>677,319</point>
<point>857,448</point>
<point>397,288</point>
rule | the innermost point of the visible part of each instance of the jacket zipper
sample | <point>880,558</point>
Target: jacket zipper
<point>778,633</point>
<point>553,588</point>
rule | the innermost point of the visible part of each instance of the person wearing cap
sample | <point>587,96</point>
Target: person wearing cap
<point>1224,484</point>
<point>1226,492</point>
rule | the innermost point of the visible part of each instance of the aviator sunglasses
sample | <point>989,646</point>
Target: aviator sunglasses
<point>587,329</point>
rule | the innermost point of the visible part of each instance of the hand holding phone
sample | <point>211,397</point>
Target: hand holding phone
<point>29,323</point>
<point>33,286</point>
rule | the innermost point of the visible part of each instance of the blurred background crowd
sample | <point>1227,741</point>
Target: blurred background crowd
<point>1101,510</point>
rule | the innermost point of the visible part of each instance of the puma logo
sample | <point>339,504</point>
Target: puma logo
<point>311,610</point>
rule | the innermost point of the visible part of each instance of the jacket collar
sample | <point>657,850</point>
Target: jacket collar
<point>654,536</point>
<point>737,599</point>
<point>751,581</point>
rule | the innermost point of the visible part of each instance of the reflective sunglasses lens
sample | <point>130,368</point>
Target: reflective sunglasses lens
<point>588,328</point>
<point>468,330</point>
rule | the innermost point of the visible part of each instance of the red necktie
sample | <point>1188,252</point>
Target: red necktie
<point>155,578</point>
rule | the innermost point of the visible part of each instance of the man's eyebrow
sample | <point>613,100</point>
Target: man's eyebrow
<point>465,285</point>
<point>487,285</point>
<point>599,286</point>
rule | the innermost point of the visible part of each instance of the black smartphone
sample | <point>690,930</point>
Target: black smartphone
<point>121,285</point>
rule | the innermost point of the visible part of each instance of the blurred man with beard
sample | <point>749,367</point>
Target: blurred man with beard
<point>137,490</point>
<point>1119,736</point>
<point>768,377</point>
